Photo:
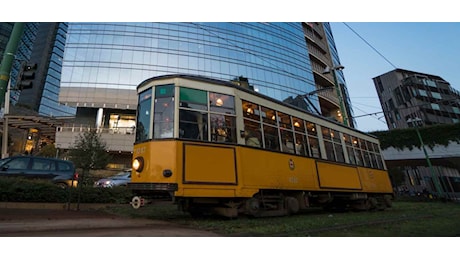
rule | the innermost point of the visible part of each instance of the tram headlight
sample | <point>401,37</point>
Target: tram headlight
<point>138,164</point>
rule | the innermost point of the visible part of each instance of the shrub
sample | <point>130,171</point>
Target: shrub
<point>25,190</point>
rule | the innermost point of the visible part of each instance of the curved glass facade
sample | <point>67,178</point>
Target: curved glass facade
<point>49,104</point>
<point>273,56</point>
<point>340,76</point>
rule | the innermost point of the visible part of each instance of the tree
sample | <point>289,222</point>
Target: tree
<point>89,152</point>
<point>48,150</point>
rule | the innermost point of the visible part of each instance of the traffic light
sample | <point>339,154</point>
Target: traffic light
<point>27,76</point>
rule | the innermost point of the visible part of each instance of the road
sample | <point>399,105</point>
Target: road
<point>90,223</point>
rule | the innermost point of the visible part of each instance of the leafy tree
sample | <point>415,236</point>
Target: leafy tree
<point>88,153</point>
<point>48,150</point>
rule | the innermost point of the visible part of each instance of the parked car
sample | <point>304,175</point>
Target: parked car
<point>60,172</point>
<point>120,179</point>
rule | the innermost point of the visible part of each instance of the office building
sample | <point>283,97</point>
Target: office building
<point>331,90</point>
<point>411,100</point>
<point>409,97</point>
<point>47,54</point>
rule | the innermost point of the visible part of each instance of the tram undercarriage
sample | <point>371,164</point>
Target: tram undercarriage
<point>277,203</point>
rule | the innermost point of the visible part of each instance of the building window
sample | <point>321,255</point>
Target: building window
<point>435,106</point>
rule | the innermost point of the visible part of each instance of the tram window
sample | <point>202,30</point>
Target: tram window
<point>311,128</point>
<point>367,160</point>
<point>339,152</point>
<point>379,161</point>
<point>252,133</point>
<point>373,160</point>
<point>287,140</point>
<point>193,98</point>
<point>284,120</point>
<point>223,128</point>
<point>163,118</point>
<point>271,138</point>
<point>314,147</point>
<point>143,115</point>
<point>329,150</point>
<point>376,147</point>
<point>251,110</point>
<point>326,133</point>
<point>370,147</point>
<point>335,136</point>
<point>359,157</point>
<point>193,125</point>
<point>298,124</point>
<point>300,144</point>
<point>268,116</point>
<point>351,155</point>
<point>222,103</point>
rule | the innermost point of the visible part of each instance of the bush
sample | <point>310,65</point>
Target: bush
<point>24,190</point>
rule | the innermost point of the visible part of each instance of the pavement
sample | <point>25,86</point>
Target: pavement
<point>54,220</point>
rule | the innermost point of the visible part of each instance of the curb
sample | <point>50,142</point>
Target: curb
<point>61,206</point>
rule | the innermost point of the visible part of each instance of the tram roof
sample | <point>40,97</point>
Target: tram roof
<point>233,85</point>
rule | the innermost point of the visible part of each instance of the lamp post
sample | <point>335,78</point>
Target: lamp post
<point>415,122</point>
<point>339,91</point>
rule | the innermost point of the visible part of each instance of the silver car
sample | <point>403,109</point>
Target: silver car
<point>119,179</point>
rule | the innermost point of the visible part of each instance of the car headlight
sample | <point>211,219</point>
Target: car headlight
<point>138,164</point>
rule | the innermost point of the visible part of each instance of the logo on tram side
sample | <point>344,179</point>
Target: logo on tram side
<point>291,164</point>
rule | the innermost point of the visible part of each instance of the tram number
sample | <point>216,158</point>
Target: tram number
<point>293,179</point>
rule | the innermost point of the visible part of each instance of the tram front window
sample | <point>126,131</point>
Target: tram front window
<point>143,115</point>
<point>163,121</point>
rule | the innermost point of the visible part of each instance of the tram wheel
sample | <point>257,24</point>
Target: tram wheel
<point>292,205</point>
<point>252,207</point>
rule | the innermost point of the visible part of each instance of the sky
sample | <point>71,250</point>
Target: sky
<point>426,47</point>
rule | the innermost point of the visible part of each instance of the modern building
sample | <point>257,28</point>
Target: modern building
<point>104,62</point>
<point>412,100</point>
<point>331,89</point>
<point>47,54</point>
<point>410,97</point>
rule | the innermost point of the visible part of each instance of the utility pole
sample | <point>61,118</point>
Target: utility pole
<point>5,72</point>
<point>8,58</point>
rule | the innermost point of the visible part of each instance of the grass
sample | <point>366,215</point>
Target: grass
<point>404,219</point>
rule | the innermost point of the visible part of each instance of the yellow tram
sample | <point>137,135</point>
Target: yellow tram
<point>215,146</point>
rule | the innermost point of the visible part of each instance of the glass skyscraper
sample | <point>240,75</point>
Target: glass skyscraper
<point>47,53</point>
<point>273,56</point>
<point>104,62</point>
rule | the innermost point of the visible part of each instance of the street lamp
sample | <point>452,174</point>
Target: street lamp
<point>414,122</point>
<point>343,112</point>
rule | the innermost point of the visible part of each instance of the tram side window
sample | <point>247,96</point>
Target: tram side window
<point>328,143</point>
<point>287,141</point>
<point>252,133</point>
<point>358,153</point>
<point>144,108</point>
<point>313,140</point>
<point>193,124</point>
<point>251,110</point>
<point>378,156</point>
<point>350,151</point>
<point>333,145</point>
<point>222,117</point>
<point>314,147</point>
<point>268,116</point>
<point>367,159</point>
<point>271,138</point>
<point>223,128</point>
<point>163,120</point>
<point>301,142</point>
